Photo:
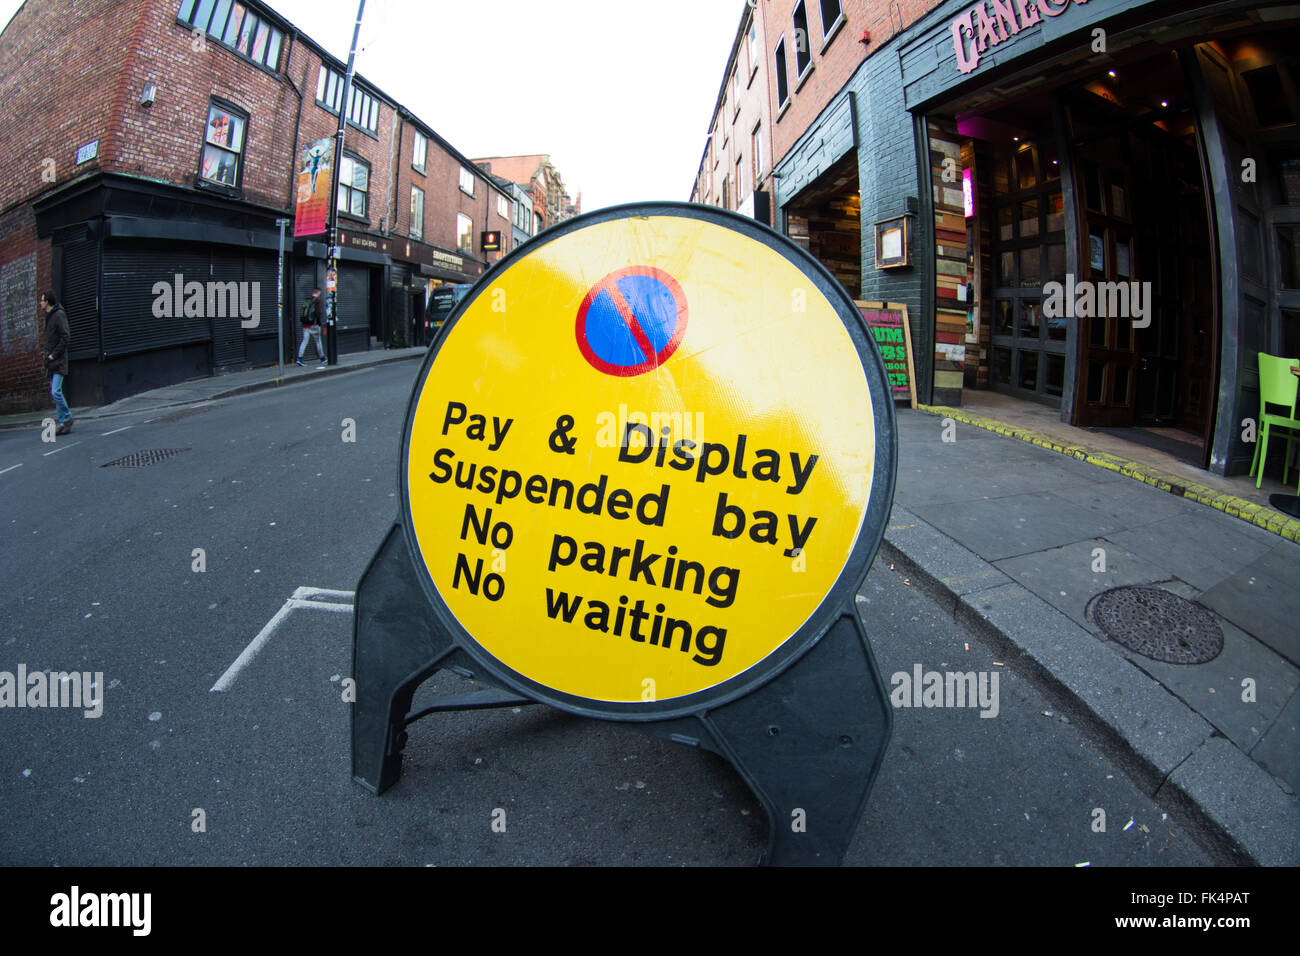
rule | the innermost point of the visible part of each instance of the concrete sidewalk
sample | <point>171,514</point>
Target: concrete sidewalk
<point>1024,541</point>
<point>218,386</point>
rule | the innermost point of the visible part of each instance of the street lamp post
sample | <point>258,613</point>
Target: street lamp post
<point>331,320</point>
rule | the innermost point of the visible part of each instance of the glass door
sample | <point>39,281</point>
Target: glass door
<point>1028,246</point>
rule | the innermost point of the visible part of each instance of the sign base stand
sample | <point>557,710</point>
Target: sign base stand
<point>808,743</point>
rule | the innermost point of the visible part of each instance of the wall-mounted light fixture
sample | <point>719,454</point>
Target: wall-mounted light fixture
<point>148,95</point>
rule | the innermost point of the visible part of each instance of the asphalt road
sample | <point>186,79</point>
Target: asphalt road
<point>98,571</point>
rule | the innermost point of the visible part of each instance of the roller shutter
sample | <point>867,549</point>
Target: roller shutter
<point>79,296</point>
<point>227,333</point>
<point>130,276</point>
<point>261,270</point>
<point>354,299</point>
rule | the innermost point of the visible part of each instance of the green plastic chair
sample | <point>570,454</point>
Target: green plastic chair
<point>1277,386</point>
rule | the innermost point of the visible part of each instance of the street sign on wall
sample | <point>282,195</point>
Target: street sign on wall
<point>644,471</point>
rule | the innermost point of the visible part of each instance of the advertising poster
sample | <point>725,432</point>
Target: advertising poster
<point>315,172</point>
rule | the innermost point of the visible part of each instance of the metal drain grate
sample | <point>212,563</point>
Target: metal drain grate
<point>1159,625</point>
<point>143,459</point>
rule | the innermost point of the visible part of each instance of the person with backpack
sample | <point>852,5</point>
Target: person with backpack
<point>57,340</point>
<point>311,315</point>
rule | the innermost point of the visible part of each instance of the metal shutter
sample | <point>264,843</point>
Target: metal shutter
<point>79,296</point>
<point>261,270</point>
<point>131,272</point>
<point>227,334</point>
<point>354,298</point>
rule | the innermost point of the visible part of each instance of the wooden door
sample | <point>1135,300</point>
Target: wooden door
<point>1108,356</point>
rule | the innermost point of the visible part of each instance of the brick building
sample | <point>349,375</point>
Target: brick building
<point>521,204</point>
<point>735,170</point>
<point>551,202</point>
<point>443,204</point>
<point>162,139</point>
<point>1027,150</point>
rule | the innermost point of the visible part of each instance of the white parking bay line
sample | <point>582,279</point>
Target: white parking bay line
<point>64,448</point>
<point>256,645</point>
<point>12,467</point>
<point>305,593</point>
<point>322,606</point>
<point>114,431</point>
<point>253,649</point>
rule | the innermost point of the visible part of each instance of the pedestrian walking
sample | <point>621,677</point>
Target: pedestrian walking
<point>312,314</point>
<point>57,340</point>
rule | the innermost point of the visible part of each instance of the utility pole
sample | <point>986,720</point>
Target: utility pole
<point>279,303</point>
<point>332,300</point>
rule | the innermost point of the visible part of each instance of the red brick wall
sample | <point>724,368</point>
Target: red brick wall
<point>23,385</point>
<point>165,140</point>
<point>545,183</point>
<point>444,199</point>
<point>58,93</point>
<point>59,89</point>
<point>830,70</point>
<point>832,67</point>
<point>318,122</point>
<point>745,104</point>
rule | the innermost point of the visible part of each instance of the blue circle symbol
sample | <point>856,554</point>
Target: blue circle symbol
<point>631,321</point>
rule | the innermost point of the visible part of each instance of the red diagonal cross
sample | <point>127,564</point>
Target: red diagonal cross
<point>629,317</point>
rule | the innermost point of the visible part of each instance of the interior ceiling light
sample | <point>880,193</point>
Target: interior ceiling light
<point>1112,74</point>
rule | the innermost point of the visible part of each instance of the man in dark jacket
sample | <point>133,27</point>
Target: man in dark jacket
<point>57,340</point>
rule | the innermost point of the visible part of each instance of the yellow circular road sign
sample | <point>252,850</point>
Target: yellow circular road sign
<point>647,459</point>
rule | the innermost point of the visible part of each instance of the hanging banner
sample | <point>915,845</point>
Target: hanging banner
<point>315,186</point>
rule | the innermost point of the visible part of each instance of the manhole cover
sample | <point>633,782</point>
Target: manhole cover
<point>1159,625</point>
<point>142,459</point>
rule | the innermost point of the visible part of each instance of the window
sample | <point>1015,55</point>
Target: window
<point>735,91</point>
<point>537,222</point>
<point>419,153</point>
<point>802,49</point>
<point>751,46</point>
<point>417,212</point>
<point>831,14</point>
<point>782,84</point>
<point>363,109</point>
<point>464,233</point>
<point>760,159</point>
<point>739,180</point>
<point>354,183</point>
<point>223,146</point>
<point>466,181</point>
<point>236,26</point>
<point>503,207</point>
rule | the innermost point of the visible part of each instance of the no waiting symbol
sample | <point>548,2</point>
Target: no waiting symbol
<point>631,321</point>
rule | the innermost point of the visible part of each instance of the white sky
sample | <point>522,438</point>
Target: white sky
<point>619,92</point>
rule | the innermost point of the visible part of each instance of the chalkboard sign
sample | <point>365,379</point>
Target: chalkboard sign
<point>893,336</point>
